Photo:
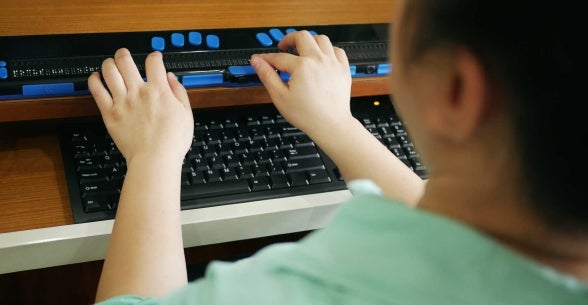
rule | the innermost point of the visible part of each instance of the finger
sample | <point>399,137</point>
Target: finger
<point>302,41</point>
<point>281,61</point>
<point>155,69</point>
<point>325,44</point>
<point>341,56</point>
<point>268,76</point>
<point>178,90</point>
<point>113,79</point>
<point>127,68</point>
<point>99,92</point>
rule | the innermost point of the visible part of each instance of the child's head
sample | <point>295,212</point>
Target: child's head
<point>532,60</point>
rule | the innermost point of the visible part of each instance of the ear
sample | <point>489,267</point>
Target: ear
<point>460,109</point>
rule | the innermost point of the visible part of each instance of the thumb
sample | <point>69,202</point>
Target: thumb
<point>178,89</point>
<point>269,77</point>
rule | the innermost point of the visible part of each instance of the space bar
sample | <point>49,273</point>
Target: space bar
<point>214,189</point>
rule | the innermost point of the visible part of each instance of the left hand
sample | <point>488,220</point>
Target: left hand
<point>151,118</point>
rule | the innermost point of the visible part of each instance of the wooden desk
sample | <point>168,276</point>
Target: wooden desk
<point>33,192</point>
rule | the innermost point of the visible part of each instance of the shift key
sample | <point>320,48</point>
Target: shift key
<point>303,165</point>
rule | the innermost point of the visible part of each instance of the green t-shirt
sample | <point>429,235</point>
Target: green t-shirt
<point>379,251</point>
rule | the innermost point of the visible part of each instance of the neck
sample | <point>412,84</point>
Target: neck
<point>507,219</point>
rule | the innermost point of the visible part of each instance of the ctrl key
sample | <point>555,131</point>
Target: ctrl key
<point>98,197</point>
<point>96,203</point>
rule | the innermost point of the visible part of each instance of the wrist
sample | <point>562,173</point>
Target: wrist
<point>334,132</point>
<point>154,158</point>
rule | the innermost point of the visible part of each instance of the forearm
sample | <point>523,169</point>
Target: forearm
<point>358,154</point>
<point>145,256</point>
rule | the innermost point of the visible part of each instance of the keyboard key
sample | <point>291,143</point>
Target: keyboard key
<point>397,151</point>
<point>404,140</point>
<point>301,153</point>
<point>260,184</point>
<point>410,151</point>
<point>297,179</point>
<point>245,172</point>
<point>95,203</point>
<point>214,189</point>
<point>290,131</point>
<point>213,175</point>
<point>229,174</point>
<point>318,176</point>
<point>231,161</point>
<point>391,142</point>
<point>87,164</point>
<point>304,165</point>
<point>278,181</point>
<point>95,188</point>
<point>418,167</point>
<point>260,170</point>
<point>91,178</point>
<point>252,121</point>
<point>301,140</point>
<point>276,168</point>
<point>197,177</point>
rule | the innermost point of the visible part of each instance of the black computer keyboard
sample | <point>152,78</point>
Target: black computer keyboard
<point>238,154</point>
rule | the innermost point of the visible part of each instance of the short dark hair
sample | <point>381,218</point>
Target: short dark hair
<point>532,53</point>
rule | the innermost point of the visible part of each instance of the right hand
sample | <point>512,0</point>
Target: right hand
<point>316,97</point>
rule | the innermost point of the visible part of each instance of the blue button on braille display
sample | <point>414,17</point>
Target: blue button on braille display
<point>276,34</point>
<point>205,79</point>
<point>48,89</point>
<point>288,31</point>
<point>195,38</point>
<point>158,43</point>
<point>285,76</point>
<point>264,39</point>
<point>384,69</point>
<point>212,41</point>
<point>313,33</point>
<point>2,63</point>
<point>353,70</point>
<point>3,73</point>
<point>242,70</point>
<point>177,40</point>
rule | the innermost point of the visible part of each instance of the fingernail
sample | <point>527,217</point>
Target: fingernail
<point>255,61</point>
